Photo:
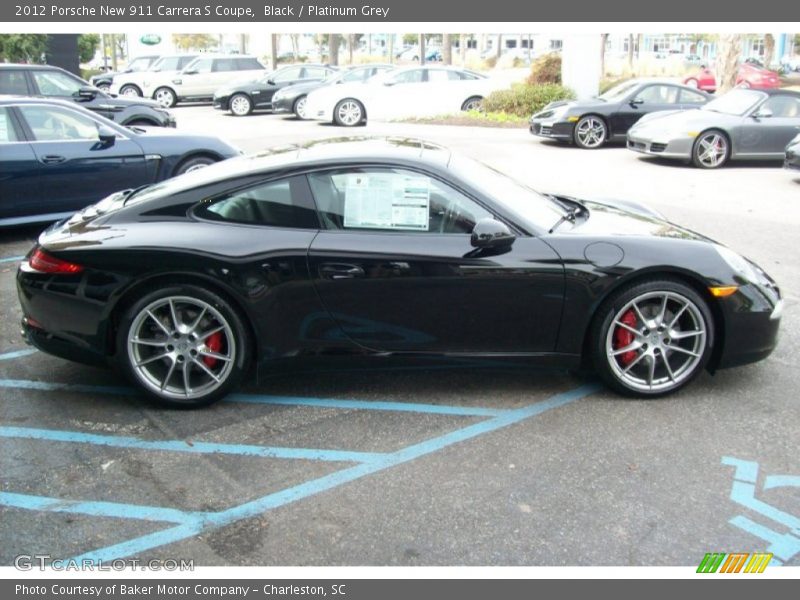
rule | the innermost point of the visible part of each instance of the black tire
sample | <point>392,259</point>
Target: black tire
<point>231,372</point>
<point>472,103</point>
<point>129,87</point>
<point>611,369</point>
<point>103,87</point>
<point>597,132</point>
<point>240,105</point>
<point>349,118</point>
<point>298,104</point>
<point>165,96</point>
<point>698,148</point>
<point>192,163</point>
<point>141,123</point>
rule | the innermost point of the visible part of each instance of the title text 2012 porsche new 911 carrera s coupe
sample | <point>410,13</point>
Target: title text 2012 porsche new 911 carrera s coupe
<point>384,247</point>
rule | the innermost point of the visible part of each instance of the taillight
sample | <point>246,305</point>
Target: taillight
<point>44,263</point>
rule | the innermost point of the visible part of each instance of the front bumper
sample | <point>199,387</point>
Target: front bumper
<point>668,148</point>
<point>792,160</point>
<point>221,102</point>
<point>283,105</point>
<point>554,130</point>
<point>752,320</point>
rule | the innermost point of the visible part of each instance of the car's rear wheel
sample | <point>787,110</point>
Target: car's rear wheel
<point>193,163</point>
<point>130,90</point>
<point>348,113</point>
<point>103,87</point>
<point>711,149</point>
<point>165,97</point>
<point>652,338</point>
<point>299,108</point>
<point>141,123</point>
<point>184,345</point>
<point>473,103</point>
<point>590,132</point>
<point>240,105</point>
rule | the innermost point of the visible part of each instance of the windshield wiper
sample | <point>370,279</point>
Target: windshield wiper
<point>569,215</point>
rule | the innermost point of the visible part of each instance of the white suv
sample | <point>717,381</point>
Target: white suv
<point>201,77</point>
<point>133,84</point>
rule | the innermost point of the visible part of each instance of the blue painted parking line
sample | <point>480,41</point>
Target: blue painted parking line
<point>333,480</point>
<point>466,411</point>
<point>9,259</point>
<point>193,447</point>
<point>17,353</point>
<point>100,509</point>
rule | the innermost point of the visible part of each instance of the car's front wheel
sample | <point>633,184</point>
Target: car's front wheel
<point>590,132</point>
<point>299,108</point>
<point>184,345</point>
<point>130,90</point>
<point>193,163</point>
<point>241,105</point>
<point>348,113</point>
<point>652,338</point>
<point>711,149</point>
<point>473,103</point>
<point>165,97</point>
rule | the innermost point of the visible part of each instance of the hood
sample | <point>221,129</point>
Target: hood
<point>579,105</point>
<point>121,102</point>
<point>304,88</point>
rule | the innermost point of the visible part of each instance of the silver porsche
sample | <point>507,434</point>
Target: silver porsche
<point>742,124</point>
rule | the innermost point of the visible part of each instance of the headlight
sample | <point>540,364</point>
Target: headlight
<point>553,113</point>
<point>738,263</point>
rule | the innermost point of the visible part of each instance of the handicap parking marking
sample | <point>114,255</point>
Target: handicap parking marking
<point>9,259</point>
<point>189,524</point>
<point>783,545</point>
<point>18,353</point>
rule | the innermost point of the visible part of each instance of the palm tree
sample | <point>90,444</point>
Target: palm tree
<point>603,42</point>
<point>462,48</point>
<point>447,49</point>
<point>769,49</point>
<point>333,48</point>
<point>728,53</point>
<point>390,47</point>
<point>422,48</point>
<point>273,43</point>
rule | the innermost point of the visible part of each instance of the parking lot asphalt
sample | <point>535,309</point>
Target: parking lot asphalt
<point>468,463</point>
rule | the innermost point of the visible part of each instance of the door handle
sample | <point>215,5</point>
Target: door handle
<point>340,271</point>
<point>53,159</point>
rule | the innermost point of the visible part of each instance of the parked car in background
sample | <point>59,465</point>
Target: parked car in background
<point>292,99</point>
<point>792,157</point>
<point>59,158</point>
<point>607,118</point>
<point>201,78</point>
<point>243,97</point>
<point>133,84</point>
<point>749,75</point>
<point>742,124</point>
<point>791,63</point>
<point>408,53</point>
<point>433,54</point>
<point>51,82</point>
<point>401,93</point>
<point>103,81</point>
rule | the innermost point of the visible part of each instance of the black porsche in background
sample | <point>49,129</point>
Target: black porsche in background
<point>607,118</point>
<point>792,159</point>
<point>384,248</point>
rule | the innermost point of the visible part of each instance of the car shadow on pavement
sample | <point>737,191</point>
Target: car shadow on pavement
<point>686,163</point>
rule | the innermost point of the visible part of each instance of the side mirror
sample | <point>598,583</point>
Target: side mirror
<point>87,92</point>
<point>636,102</point>
<point>491,233</point>
<point>389,83</point>
<point>190,72</point>
<point>270,82</point>
<point>762,113</point>
<point>106,135</point>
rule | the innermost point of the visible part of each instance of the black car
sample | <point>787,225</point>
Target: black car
<point>293,98</point>
<point>243,98</point>
<point>385,248</point>
<point>606,118</point>
<point>51,82</point>
<point>792,159</point>
<point>59,157</point>
<point>103,81</point>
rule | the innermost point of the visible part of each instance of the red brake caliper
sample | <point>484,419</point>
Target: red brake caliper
<point>623,337</point>
<point>213,343</point>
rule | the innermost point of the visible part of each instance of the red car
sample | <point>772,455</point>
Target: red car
<point>749,76</point>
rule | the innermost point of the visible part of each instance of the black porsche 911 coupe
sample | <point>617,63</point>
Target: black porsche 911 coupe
<point>384,247</point>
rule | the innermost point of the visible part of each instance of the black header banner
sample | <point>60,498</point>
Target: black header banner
<point>382,11</point>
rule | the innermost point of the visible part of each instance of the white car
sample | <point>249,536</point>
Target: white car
<point>791,63</point>
<point>401,93</point>
<point>133,84</point>
<point>201,78</point>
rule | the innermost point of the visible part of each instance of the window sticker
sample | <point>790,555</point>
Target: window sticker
<point>387,201</point>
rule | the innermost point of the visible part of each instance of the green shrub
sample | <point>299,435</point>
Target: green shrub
<point>523,99</point>
<point>546,69</point>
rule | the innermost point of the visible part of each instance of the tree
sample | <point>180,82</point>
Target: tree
<point>729,50</point>
<point>499,49</point>
<point>87,46</point>
<point>447,49</point>
<point>351,40</point>
<point>390,47</point>
<point>603,43</point>
<point>769,49</point>
<point>409,39</point>
<point>422,48</point>
<point>462,48</point>
<point>333,48</point>
<point>273,50</point>
<point>630,52</point>
<point>23,47</point>
<point>193,41</point>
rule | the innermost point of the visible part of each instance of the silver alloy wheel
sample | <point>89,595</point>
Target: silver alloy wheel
<point>104,87</point>
<point>240,105</point>
<point>473,104</point>
<point>165,97</point>
<point>129,91</point>
<point>300,108</point>
<point>195,168</point>
<point>712,149</point>
<point>591,131</point>
<point>168,347</point>
<point>349,113</point>
<point>666,343</point>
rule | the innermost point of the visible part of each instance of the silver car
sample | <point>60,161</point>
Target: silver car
<point>742,124</point>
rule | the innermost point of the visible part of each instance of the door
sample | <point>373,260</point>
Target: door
<point>76,168</point>
<point>395,268</point>
<point>281,78</point>
<point>400,97</point>
<point>770,127</point>
<point>19,169</point>
<point>648,99</point>
<point>196,79</point>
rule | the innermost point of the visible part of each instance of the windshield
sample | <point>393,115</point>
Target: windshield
<point>526,202</point>
<point>619,91</point>
<point>735,102</point>
<point>139,64</point>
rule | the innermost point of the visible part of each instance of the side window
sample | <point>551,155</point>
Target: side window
<point>7,131</point>
<point>51,123</point>
<point>276,203</point>
<point>55,83</point>
<point>392,200</point>
<point>315,73</point>
<point>185,60</point>
<point>689,97</point>
<point>438,75</point>
<point>356,75</point>
<point>224,64</point>
<point>415,76</point>
<point>12,81</point>
<point>248,64</point>
<point>783,106</point>
<point>290,74</point>
<point>201,66</point>
<point>658,94</point>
